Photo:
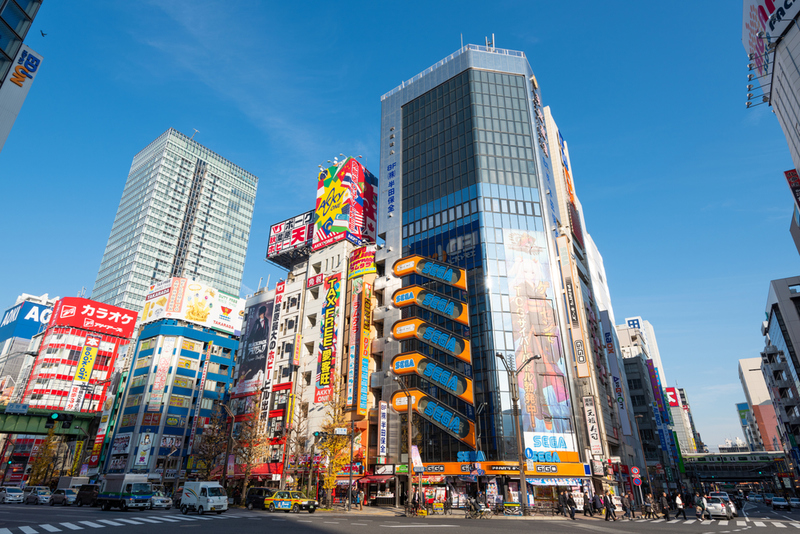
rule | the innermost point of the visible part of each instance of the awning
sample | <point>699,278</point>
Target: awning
<point>555,481</point>
<point>376,479</point>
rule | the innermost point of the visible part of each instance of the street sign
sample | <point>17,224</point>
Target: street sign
<point>420,469</point>
<point>634,470</point>
<point>14,408</point>
<point>530,465</point>
<point>637,481</point>
<point>340,431</point>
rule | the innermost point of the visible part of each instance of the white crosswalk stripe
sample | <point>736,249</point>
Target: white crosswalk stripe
<point>71,526</point>
<point>150,520</point>
<point>738,523</point>
<point>110,522</point>
<point>723,522</point>
<point>132,521</point>
<point>184,518</point>
<point>28,530</point>
<point>795,525</point>
<point>689,522</point>
<point>50,528</point>
<point>759,524</point>
<point>169,519</point>
<point>670,522</point>
<point>655,521</point>
<point>779,525</point>
<point>4,531</point>
<point>90,524</point>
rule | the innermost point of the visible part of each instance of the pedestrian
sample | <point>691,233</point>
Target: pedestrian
<point>587,504</point>
<point>361,499</point>
<point>562,503</point>
<point>679,505</point>
<point>665,505</point>
<point>648,506</point>
<point>609,505</point>
<point>699,505</point>
<point>571,505</point>
<point>632,503</point>
<point>598,503</point>
<point>625,507</point>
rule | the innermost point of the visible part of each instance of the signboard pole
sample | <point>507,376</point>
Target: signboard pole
<point>350,485</point>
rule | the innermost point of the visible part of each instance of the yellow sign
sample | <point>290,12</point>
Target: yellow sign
<point>77,462</point>
<point>86,359</point>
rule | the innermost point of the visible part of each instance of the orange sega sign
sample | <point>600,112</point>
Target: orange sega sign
<point>435,337</point>
<point>436,270</point>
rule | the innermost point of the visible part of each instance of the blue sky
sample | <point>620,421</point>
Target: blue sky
<point>682,187</point>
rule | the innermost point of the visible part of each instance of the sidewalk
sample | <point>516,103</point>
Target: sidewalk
<point>458,513</point>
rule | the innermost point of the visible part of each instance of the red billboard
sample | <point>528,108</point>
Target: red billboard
<point>672,397</point>
<point>95,316</point>
<point>291,234</point>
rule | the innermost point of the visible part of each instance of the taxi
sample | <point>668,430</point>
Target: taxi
<point>290,501</point>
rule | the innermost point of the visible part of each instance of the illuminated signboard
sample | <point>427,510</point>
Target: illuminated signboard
<point>432,301</point>
<point>364,349</point>
<point>452,422</point>
<point>575,306</point>
<point>435,337</point>
<point>435,270</point>
<point>291,234</point>
<point>326,362</point>
<point>433,371</point>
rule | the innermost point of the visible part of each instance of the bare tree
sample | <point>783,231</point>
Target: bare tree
<point>296,433</point>
<point>44,462</point>
<point>336,448</point>
<point>250,446</point>
<point>213,442</point>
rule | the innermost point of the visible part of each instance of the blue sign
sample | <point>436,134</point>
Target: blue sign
<point>24,320</point>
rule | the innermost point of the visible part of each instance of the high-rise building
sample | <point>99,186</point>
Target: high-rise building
<point>29,316</point>
<point>758,398</point>
<point>185,212</point>
<point>749,428</point>
<point>19,65</point>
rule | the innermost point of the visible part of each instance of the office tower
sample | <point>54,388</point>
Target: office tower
<point>749,427</point>
<point>758,398</point>
<point>185,212</point>
<point>698,441</point>
<point>681,424</point>
<point>466,180</point>
<point>19,65</point>
<point>648,333</point>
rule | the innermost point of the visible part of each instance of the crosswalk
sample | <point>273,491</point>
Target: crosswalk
<point>722,522</point>
<point>69,526</point>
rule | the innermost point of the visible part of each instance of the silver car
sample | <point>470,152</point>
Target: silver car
<point>9,494</point>
<point>715,506</point>
<point>38,496</point>
<point>724,496</point>
<point>64,497</point>
<point>159,500</point>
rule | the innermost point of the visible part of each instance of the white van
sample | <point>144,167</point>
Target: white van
<point>202,497</point>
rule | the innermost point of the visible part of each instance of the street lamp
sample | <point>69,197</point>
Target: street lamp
<point>513,386</point>
<point>408,430</point>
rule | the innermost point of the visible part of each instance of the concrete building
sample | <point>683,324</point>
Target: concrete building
<point>758,398</point>
<point>185,212</point>
<point>27,317</point>
<point>682,427</point>
<point>19,65</point>
<point>752,436</point>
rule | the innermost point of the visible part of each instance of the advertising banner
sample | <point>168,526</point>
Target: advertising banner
<point>346,203</point>
<point>654,384</point>
<point>612,350</point>
<point>362,261</point>
<point>435,270</point>
<point>364,349</point>
<point>329,344</point>
<point>197,408</point>
<point>545,402</point>
<point>145,446</point>
<point>194,302</point>
<point>77,456</point>
<point>161,374</point>
<point>269,383</point>
<point>383,425</point>
<point>17,83</point>
<point>121,443</point>
<point>435,372</point>
<point>434,336</point>
<point>673,399</point>
<point>24,320</point>
<point>256,342</point>
<point>291,234</point>
<point>794,185</point>
<point>94,316</point>
<point>83,372</point>
<point>353,349</point>
<point>433,411</point>
<point>572,289</point>
<point>432,301</point>
<point>592,425</point>
<point>772,18</point>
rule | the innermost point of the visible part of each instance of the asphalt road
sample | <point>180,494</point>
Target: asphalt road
<point>21,519</point>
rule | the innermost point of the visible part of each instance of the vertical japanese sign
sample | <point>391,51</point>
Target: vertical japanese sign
<point>328,346</point>
<point>572,288</point>
<point>162,371</point>
<point>255,345</point>
<point>145,446</point>
<point>77,456</point>
<point>545,398</point>
<point>616,376</point>
<point>382,428</point>
<point>83,373</point>
<point>197,407</point>
<point>592,425</point>
<point>353,350</point>
<point>364,348</point>
<point>794,184</point>
<point>269,384</point>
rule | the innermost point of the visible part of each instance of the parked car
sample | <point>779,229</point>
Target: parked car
<point>159,500</point>
<point>768,498</point>
<point>64,497</point>
<point>724,496</point>
<point>794,502</point>
<point>87,494</point>
<point>290,501</point>
<point>9,495</point>
<point>779,503</point>
<point>255,498</point>
<point>38,495</point>
<point>715,506</point>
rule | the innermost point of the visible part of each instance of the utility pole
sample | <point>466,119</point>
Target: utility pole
<point>350,471</point>
<point>228,447</point>
<point>514,387</point>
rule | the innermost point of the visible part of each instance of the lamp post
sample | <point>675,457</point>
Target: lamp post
<point>408,430</point>
<point>514,387</point>
<point>644,458</point>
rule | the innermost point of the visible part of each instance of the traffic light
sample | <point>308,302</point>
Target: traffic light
<point>320,436</point>
<point>65,418</point>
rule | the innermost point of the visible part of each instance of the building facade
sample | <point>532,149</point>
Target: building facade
<point>28,317</point>
<point>185,212</point>
<point>756,391</point>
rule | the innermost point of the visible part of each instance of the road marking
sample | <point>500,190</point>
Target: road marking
<point>363,524</point>
<point>4,531</point>
<point>204,518</point>
<point>50,528</point>
<point>151,520</point>
<point>331,522</point>
<point>184,518</point>
<point>759,524</point>
<point>795,525</point>
<point>133,522</point>
<point>28,530</point>
<point>722,522</point>
<point>306,520</point>
<point>655,521</point>
<point>673,521</point>
<point>689,522</point>
<point>779,525</point>
<point>738,523</point>
<point>91,524</point>
<point>69,526</point>
<point>170,519</point>
<point>417,526</point>
<point>112,523</point>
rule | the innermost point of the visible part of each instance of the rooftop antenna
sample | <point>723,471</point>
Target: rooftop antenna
<point>196,131</point>
<point>259,284</point>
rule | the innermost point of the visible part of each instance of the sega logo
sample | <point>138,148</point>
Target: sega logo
<point>404,364</point>
<point>441,272</point>
<point>404,297</point>
<point>542,456</point>
<point>446,341</point>
<point>439,304</point>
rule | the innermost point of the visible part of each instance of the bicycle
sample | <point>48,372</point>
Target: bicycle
<point>482,513</point>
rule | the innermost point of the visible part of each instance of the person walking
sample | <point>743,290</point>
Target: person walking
<point>598,503</point>
<point>648,506</point>
<point>588,507</point>
<point>571,506</point>
<point>699,505</point>
<point>625,507</point>
<point>665,505</point>
<point>680,506</point>
<point>361,499</point>
<point>609,505</point>
<point>632,503</point>
<point>562,503</point>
